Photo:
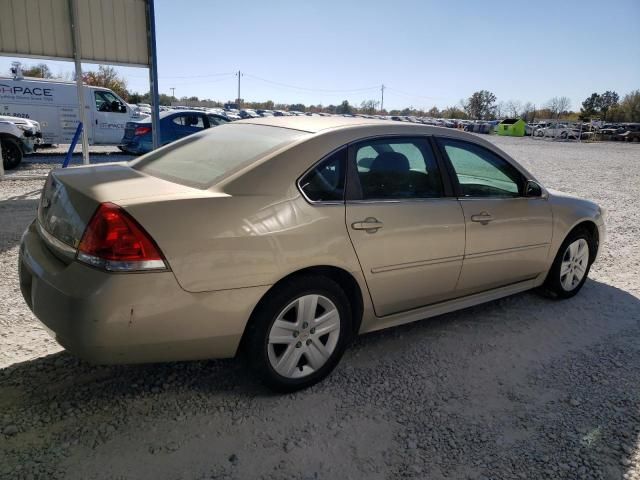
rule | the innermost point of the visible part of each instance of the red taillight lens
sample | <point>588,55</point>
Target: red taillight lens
<point>113,240</point>
<point>141,131</point>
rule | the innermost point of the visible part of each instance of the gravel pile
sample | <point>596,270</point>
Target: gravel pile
<point>524,387</point>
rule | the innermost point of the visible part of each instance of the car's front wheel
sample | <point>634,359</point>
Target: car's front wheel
<point>571,265</point>
<point>299,332</point>
<point>11,153</point>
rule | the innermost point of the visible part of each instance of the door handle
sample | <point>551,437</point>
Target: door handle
<point>483,218</point>
<point>369,224</point>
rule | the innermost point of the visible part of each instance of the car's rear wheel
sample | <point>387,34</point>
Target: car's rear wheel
<point>571,265</point>
<point>299,332</point>
<point>11,153</point>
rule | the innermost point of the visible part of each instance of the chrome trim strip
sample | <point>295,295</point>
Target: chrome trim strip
<point>64,249</point>
<point>471,256</point>
<point>419,263</point>
<point>401,200</point>
<point>121,266</point>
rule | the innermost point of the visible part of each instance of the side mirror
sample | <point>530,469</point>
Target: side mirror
<point>532,189</point>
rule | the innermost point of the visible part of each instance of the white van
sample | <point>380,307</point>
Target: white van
<point>54,104</point>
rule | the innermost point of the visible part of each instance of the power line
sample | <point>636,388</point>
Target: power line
<point>206,75</point>
<point>202,82</point>
<point>406,94</point>
<point>310,89</point>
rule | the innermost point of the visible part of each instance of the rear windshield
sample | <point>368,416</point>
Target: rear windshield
<point>202,159</point>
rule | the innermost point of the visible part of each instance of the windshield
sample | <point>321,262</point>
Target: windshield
<point>202,159</point>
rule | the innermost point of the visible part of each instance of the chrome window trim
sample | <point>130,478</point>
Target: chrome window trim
<point>313,167</point>
<point>402,200</point>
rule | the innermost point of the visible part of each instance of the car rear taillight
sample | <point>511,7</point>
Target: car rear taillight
<point>114,241</point>
<point>141,131</point>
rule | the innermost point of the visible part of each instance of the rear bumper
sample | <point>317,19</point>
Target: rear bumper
<point>136,146</point>
<point>129,318</point>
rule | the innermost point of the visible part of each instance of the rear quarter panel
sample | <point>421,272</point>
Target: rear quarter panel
<point>245,240</point>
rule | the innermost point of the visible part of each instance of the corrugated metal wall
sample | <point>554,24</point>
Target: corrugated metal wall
<point>111,31</point>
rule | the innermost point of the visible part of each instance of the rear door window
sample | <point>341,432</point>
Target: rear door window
<point>397,168</point>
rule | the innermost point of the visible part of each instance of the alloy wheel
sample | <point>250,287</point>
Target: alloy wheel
<point>303,336</point>
<point>574,264</point>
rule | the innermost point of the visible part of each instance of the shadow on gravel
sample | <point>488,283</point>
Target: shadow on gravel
<point>16,213</point>
<point>563,415</point>
<point>606,305</point>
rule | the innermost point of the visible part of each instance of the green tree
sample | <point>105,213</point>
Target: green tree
<point>590,107</point>
<point>608,100</point>
<point>107,77</point>
<point>298,107</point>
<point>453,112</point>
<point>344,108</point>
<point>135,98</point>
<point>630,107</point>
<point>481,105</point>
<point>41,70</point>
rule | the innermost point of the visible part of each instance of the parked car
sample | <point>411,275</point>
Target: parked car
<point>283,238</point>
<point>557,130</point>
<point>18,137</point>
<point>174,124</point>
<point>248,113</point>
<point>631,133</point>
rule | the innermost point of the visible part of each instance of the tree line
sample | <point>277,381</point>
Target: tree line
<point>481,105</point>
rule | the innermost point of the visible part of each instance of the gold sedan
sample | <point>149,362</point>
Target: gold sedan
<point>282,238</point>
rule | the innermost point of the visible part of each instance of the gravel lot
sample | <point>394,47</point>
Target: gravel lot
<point>524,387</point>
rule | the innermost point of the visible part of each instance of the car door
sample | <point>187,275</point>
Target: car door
<point>110,118</point>
<point>187,123</point>
<point>508,234</point>
<point>407,233</point>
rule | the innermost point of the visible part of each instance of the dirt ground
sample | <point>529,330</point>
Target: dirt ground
<point>523,387</point>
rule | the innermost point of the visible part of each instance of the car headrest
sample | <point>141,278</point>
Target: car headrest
<point>390,162</point>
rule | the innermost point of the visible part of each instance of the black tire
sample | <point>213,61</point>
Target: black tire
<point>11,153</point>
<point>255,346</point>
<point>553,285</point>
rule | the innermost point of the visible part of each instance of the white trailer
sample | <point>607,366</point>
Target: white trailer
<point>54,104</point>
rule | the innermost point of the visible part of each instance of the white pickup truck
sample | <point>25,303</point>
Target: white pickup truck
<point>18,136</point>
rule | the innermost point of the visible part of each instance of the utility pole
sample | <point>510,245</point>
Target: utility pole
<point>239,74</point>
<point>173,92</point>
<point>382,98</point>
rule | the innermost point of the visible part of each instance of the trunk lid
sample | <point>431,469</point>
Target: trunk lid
<point>71,196</point>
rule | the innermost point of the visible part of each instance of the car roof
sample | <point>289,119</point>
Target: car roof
<point>314,124</point>
<point>166,113</point>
